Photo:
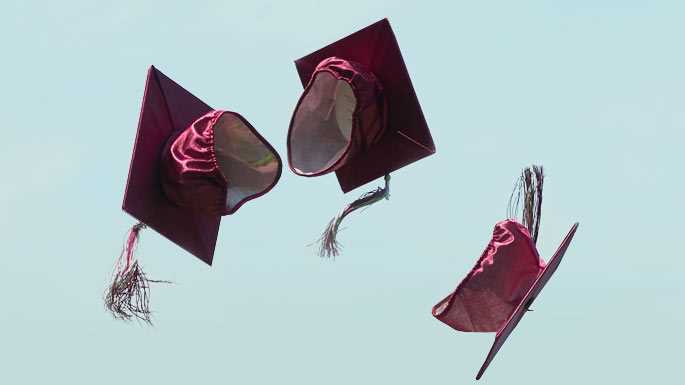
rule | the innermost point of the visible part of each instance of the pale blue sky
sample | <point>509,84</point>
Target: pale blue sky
<point>593,90</point>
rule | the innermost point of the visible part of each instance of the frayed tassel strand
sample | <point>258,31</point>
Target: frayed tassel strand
<point>528,192</point>
<point>328,243</point>
<point>128,296</point>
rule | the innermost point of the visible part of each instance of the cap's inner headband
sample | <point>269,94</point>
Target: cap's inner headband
<point>249,166</point>
<point>322,126</point>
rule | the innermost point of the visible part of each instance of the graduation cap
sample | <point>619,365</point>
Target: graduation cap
<point>358,116</point>
<point>191,165</point>
<point>509,274</point>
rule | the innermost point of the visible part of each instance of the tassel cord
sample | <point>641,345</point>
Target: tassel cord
<point>329,245</point>
<point>128,295</point>
<point>526,199</point>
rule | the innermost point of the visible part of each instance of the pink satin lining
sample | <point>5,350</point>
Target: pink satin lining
<point>493,289</point>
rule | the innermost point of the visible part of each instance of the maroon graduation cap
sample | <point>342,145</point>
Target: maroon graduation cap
<point>191,165</point>
<point>358,116</point>
<point>509,274</point>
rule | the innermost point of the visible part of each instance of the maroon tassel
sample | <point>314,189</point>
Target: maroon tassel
<point>128,296</point>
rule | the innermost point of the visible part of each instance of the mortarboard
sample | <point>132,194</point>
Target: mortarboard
<point>358,116</point>
<point>508,276</point>
<point>191,165</point>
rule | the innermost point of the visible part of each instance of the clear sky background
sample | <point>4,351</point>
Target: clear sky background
<point>593,90</point>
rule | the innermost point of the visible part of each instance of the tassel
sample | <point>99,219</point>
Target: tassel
<point>528,191</point>
<point>128,296</point>
<point>329,245</point>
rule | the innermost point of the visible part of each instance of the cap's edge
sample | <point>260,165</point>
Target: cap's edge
<point>521,309</point>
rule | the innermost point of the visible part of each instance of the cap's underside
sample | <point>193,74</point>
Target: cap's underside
<point>407,138</point>
<point>322,125</point>
<point>251,167</point>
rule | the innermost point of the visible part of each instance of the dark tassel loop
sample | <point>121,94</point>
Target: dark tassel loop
<point>528,192</point>
<point>328,243</point>
<point>128,296</point>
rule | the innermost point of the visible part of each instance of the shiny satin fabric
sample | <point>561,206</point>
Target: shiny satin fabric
<point>405,136</point>
<point>192,164</point>
<point>340,113</point>
<point>504,273</point>
<point>167,108</point>
<point>537,286</point>
<point>218,163</point>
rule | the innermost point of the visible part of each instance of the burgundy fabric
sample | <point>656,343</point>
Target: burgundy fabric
<point>504,332</point>
<point>190,174</point>
<point>488,295</point>
<point>497,292</point>
<point>167,108</point>
<point>368,120</point>
<point>406,138</point>
<point>173,184</point>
